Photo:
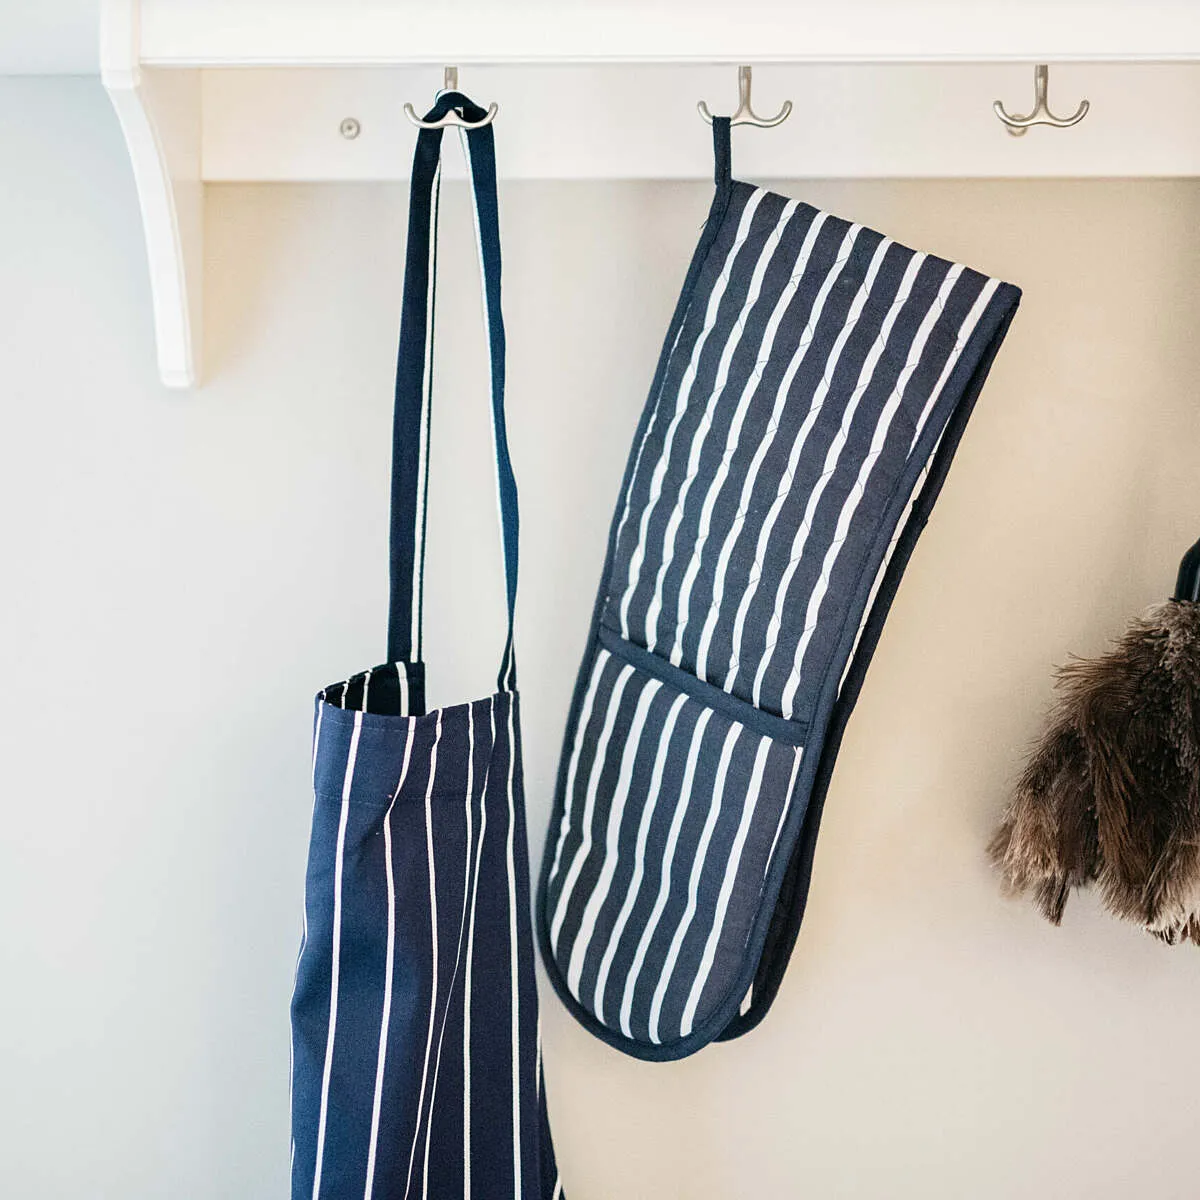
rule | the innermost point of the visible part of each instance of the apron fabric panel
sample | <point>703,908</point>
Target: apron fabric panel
<point>416,1043</point>
<point>811,392</point>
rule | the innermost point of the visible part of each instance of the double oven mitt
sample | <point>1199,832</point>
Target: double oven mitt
<point>813,386</point>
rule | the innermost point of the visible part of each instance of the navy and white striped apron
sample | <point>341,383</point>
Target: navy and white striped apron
<point>415,1035</point>
<point>814,383</point>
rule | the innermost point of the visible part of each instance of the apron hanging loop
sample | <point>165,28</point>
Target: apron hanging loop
<point>414,378</point>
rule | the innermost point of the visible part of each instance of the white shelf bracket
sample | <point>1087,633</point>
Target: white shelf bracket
<point>159,112</point>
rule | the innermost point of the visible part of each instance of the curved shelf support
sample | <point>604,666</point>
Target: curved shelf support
<point>159,112</point>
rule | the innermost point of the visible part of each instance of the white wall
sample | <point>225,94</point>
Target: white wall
<point>181,572</point>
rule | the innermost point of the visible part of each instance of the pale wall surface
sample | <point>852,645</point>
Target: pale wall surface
<point>181,572</point>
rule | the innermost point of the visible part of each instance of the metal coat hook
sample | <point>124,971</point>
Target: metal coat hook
<point>745,115</point>
<point>450,84</point>
<point>1041,114</point>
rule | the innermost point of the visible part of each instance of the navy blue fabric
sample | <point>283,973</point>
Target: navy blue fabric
<point>416,1047</point>
<point>812,388</point>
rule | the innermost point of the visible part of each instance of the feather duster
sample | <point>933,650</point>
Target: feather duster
<point>1111,793</point>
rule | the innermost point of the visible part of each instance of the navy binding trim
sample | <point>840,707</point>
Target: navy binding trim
<point>778,729</point>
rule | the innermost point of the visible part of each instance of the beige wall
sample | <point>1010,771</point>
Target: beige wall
<point>181,572</point>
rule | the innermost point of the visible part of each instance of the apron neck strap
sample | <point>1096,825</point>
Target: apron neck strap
<point>414,379</point>
<point>722,168</point>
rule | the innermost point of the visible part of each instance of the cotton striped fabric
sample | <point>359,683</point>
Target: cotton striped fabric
<point>811,371</point>
<point>416,1047</point>
<point>417,1065</point>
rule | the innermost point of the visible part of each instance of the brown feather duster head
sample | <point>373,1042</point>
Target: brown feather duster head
<point>1111,793</point>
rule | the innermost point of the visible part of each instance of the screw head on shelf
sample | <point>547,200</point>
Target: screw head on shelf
<point>349,128</point>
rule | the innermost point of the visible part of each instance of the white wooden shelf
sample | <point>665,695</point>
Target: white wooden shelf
<point>300,32</point>
<point>237,90</point>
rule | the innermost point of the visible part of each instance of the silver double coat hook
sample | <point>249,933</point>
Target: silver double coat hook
<point>745,115</point>
<point>1040,114</point>
<point>450,84</point>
